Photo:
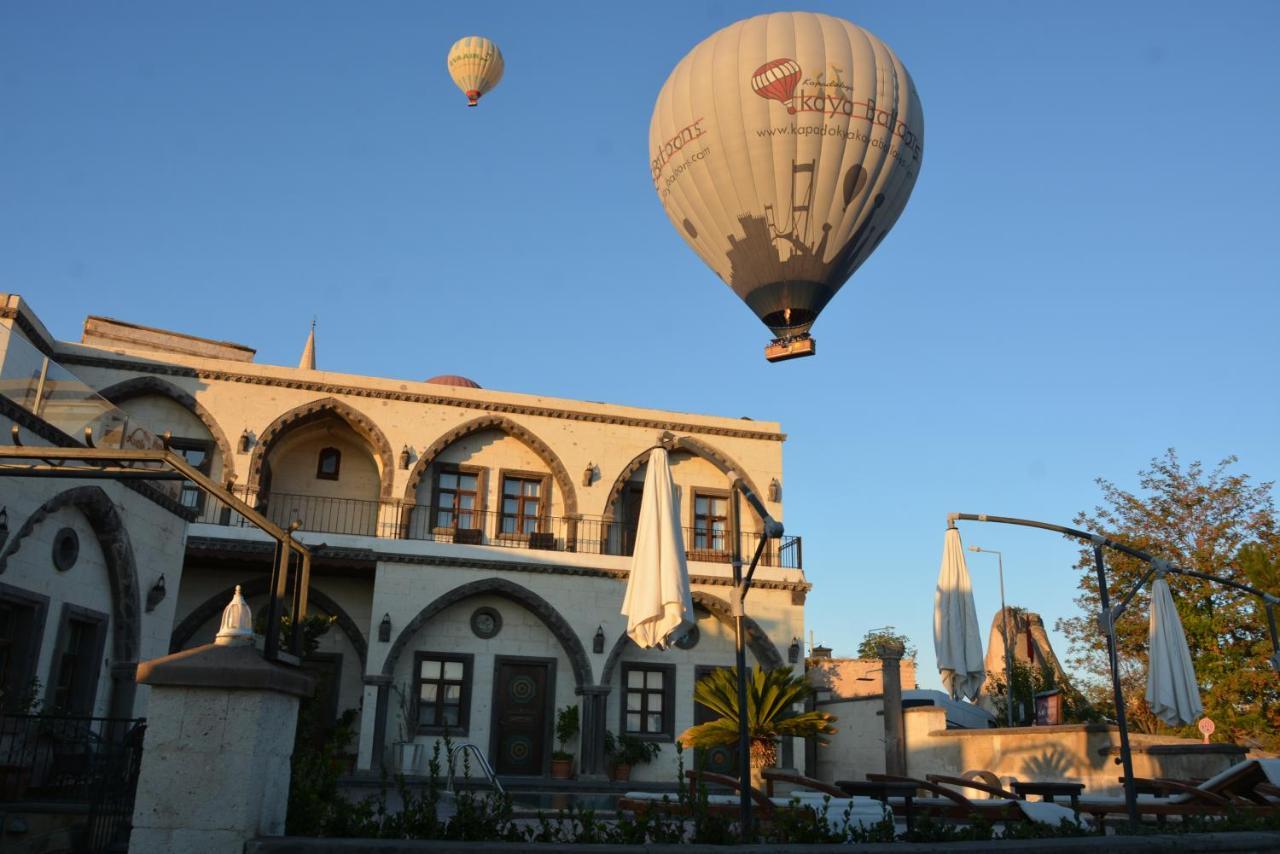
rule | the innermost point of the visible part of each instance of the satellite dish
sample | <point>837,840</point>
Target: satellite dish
<point>783,148</point>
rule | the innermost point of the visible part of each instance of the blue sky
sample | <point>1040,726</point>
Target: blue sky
<point>1085,274</point>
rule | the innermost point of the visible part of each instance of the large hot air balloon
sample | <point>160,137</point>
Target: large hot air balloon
<point>783,149</point>
<point>476,65</point>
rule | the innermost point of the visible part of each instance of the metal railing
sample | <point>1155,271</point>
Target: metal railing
<point>64,759</point>
<point>403,520</point>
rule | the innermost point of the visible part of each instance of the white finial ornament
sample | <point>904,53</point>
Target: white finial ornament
<point>237,623</point>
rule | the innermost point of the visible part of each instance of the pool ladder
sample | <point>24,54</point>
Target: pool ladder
<point>480,760</point>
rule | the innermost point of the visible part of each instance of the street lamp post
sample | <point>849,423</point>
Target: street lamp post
<point>1008,657</point>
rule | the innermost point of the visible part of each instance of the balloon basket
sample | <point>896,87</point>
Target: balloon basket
<point>782,349</point>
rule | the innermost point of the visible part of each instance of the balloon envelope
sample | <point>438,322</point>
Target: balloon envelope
<point>476,66</point>
<point>783,148</point>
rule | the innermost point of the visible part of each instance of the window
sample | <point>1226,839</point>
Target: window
<point>457,498</point>
<point>443,697</point>
<point>522,503</point>
<point>328,464</point>
<point>21,628</point>
<point>77,661</point>
<point>646,700</point>
<point>199,455</point>
<point>710,521</point>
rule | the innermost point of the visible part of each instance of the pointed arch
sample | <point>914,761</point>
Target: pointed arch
<point>140,386</point>
<point>317,410</point>
<point>258,586</point>
<point>512,429</point>
<point>122,579</point>
<point>757,641</point>
<point>722,461</point>
<point>523,596</point>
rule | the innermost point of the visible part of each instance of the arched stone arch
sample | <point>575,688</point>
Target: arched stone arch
<point>511,428</point>
<point>314,411</point>
<point>259,585</point>
<point>139,386</point>
<point>757,641</point>
<point>715,456</point>
<point>122,577</point>
<point>541,608</point>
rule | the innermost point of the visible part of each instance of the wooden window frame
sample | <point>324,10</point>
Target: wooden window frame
<point>544,503</point>
<point>26,646</point>
<point>667,734</point>
<point>481,475</point>
<point>184,443</point>
<point>85,694</point>
<point>321,474</point>
<point>709,554</point>
<point>464,707</point>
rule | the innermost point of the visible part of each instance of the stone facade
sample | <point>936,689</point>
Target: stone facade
<point>387,555</point>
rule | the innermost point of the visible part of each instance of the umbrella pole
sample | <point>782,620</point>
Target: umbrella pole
<point>740,654</point>
<point>1108,620</point>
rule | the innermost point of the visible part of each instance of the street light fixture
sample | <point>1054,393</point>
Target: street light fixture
<point>1008,657</point>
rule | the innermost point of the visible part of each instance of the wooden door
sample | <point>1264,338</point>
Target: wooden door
<point>722,760</point>
<point>522,701</point>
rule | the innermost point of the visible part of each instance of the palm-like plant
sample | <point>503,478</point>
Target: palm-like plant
<point>771,698</point>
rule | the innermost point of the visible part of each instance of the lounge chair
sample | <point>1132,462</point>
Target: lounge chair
<point>1233,791</point>
<point>945,802</point>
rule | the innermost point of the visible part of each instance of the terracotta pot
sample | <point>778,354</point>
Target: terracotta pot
<point>561,769</point>
<point>621,773</point>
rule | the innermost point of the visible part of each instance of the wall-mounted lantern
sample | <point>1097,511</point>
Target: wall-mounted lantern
<point>4,525</point>
<point>589,474</point>
<point>384,628</point>
<point>246,441</point>
<point>404,457</point>
<point>156,594</point>
<point>597,643</point>
<point>775,490</point>
<point>793,651</point>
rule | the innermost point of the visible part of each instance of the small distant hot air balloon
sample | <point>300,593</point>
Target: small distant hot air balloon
<point>476,66</point>
<point>785,178</point>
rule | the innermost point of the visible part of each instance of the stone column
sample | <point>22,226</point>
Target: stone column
<point>215,761</point>
<point>895,755</point>
<point>595,699</point>
<point>379,720</point>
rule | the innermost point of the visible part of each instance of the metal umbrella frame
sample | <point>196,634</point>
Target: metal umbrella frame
<point>1109,614</point>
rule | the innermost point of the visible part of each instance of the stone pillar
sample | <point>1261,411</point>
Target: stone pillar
<point>379,720</point>
<point>215,761</point>
<point>895,756</point>
<point>595,700</point>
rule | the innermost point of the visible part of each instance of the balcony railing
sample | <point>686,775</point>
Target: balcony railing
<point>401,520</point>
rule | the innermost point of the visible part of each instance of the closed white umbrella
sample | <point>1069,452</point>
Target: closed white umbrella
<point>658,606</point>
<point>1172,692</point>
<point>957,637</point>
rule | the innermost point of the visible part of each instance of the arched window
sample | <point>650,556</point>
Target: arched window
<point>327,465</point>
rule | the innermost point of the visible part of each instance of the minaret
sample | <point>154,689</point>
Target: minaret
<point>308,359</point>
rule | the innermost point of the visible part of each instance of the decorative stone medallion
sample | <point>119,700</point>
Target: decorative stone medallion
<point>690,639</point>
<point>486,622</point>
<point>66,549</point>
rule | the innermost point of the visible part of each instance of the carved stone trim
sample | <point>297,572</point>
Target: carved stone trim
<point>140,386</point>
<point>265,549</point>
<point>757,641</point>
<point>416,397</point>
<point>715,456</point>
<point>315,411</point>
<point>213,606</point>
<point>113,538</point>
<point>541,608</point>
<point>511,428</point>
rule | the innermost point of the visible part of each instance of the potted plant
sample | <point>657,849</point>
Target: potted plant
<point>772,696</point>
<point>626,751</point>
<point>406,749</point>
<point>566,730</point>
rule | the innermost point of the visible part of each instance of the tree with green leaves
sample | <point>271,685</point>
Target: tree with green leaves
<point>772,698</point>
<point>867,649</point>
<point>1215,521</point>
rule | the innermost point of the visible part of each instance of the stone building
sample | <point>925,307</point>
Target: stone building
<point>471,544</point>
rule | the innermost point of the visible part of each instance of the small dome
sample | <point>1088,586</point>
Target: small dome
<point>454,380</point>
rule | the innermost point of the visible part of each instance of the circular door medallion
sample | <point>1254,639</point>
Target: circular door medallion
<point>486,622</point>
<point>519,749</point>
<point>66,549</point>
<point>523,689</point>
